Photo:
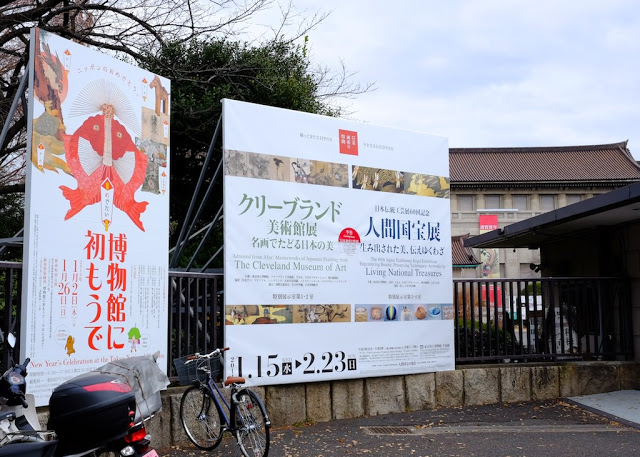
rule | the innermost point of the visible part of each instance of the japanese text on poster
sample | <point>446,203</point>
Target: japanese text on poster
<point>337,248</point>
<point>96,213</point>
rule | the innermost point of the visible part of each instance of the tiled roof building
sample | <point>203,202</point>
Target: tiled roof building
<point>518,183</point>
<point>606,163</point>
<point>462,256</point>
<point>464,259</point>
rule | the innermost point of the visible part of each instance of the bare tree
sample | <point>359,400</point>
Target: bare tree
<point>333,83</point>
<point>127,28</point>
<point>134,30</point>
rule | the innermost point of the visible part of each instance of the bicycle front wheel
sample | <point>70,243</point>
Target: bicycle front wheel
<point>252,424</point>
<point>200,418</point>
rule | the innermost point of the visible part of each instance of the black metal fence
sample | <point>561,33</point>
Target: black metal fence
<point>542,319</point>
<point>10,299</point>
<point>196,319</point>
<point>497,320</point>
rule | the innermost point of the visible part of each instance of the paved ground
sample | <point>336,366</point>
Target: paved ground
<point>622,406</point>
<point>532,429</point>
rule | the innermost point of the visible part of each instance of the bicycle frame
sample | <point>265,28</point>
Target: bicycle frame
<point>217,396</point>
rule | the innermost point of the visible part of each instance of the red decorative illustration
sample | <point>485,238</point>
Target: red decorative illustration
<point>101,148</point>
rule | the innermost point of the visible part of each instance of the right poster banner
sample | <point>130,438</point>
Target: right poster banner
<point>337,248</point>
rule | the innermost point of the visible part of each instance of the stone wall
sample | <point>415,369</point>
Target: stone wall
<point>293,404</point>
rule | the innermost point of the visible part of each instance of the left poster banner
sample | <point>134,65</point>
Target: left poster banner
<point>96,213</point>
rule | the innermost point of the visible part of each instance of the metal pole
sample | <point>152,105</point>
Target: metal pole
<point>204,239</point>
<point>204,267</point>
<point>205,199</point>
<point>183,231</point>
<point>14,106</point>
<point>15,237</point>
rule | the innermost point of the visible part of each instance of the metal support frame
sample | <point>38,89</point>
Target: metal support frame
<point>20,95</point>
<point>189,222</point>
<point>15,241</point>
<point>204,239</point>
<point>14,106</point>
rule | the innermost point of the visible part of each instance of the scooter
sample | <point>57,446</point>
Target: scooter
<point>94,414</point>
<point>17,416</point>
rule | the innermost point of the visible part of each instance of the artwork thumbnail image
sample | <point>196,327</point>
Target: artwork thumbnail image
<point>286,169</point>
<point>287,314</point>
<point>397,313</point>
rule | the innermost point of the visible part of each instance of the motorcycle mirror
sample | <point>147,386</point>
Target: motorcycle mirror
<point>11,339</point>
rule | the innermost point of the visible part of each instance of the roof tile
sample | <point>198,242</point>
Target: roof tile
<point>462,256</point>
<point>604,162</point>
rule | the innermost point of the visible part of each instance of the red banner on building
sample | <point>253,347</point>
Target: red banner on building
<point>487,222</point>
<point>489,257</point>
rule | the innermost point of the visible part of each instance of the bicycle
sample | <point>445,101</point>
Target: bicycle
<point>203,416</point>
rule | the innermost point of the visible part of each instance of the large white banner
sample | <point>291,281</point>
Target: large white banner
<point>337,248</point>
<point>96,213</point>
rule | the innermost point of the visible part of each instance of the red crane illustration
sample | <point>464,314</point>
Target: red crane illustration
<point>102,155</point>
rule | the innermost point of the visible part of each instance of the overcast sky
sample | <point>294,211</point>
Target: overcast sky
<point>490,73</point>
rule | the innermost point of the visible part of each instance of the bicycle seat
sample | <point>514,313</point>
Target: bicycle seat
<point>234,380</point>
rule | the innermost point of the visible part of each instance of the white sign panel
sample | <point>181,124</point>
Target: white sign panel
<point>96,213</point>
<point>337,248</point>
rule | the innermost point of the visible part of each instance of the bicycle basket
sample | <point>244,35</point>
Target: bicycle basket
<point>196,371</point>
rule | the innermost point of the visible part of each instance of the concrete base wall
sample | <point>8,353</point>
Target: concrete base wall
<point>294,404</point>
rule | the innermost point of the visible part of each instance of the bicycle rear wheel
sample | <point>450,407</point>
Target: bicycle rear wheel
<point>252,424</point>
<point>200,418</point>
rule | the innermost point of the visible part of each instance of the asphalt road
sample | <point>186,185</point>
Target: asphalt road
<point>532,429</point>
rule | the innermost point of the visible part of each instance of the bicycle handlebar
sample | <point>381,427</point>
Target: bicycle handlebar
<point>197,355</point>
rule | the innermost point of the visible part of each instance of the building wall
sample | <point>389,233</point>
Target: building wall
<point>514,263</point>
<point>466,273</point>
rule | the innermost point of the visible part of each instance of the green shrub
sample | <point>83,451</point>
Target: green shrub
<point>484,340</point>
